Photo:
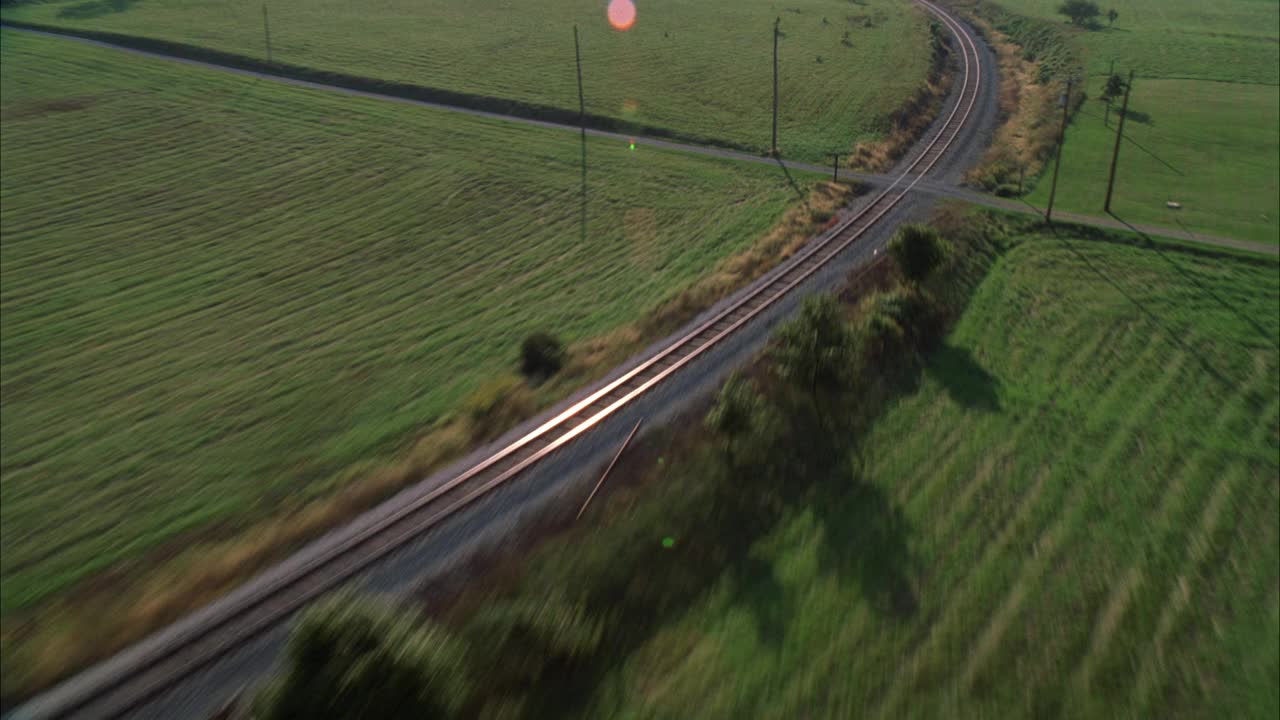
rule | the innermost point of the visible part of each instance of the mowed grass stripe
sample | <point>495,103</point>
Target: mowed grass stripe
<point>1179,530</point>
<point>1177,598</point>
<point>1149,572</point>
<point>1066,525</point>
<point>218,292</point>
<point>1220,552</point>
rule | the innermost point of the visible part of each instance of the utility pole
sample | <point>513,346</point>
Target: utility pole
<point>1062,136</point>
<point>773,147</point>
<point>582,105</point>
<point>582,130</point>
<point>1115,154</point>
<point>266,30</point>
<point>835,167</point>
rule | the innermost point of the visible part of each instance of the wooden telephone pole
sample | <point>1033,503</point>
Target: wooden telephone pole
<point>582,105</point>
<point>773,146</point>
<point>266,31</point>
<point>1062,136</point>
<point>1115,154</point>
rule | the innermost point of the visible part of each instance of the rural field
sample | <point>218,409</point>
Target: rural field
<point>1071,511</point>
<point>220,293</point>
<point>701,70</point>
<point>1203,115</point>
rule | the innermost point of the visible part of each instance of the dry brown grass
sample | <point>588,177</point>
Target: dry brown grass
<point>104,614</point>
<point>1028,120</point>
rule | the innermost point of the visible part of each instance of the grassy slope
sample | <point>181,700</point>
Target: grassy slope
<point>1082,493</point>
<point>1209,82</point>
<point>218,293</point>
<point>699,68</point>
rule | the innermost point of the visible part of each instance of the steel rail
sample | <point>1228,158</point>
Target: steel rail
<point>186,652</point>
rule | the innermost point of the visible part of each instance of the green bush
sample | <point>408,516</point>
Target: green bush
<point>497,405</point>
<point>1080,12</point>
<point>892,325</point>
<point>918,250</point>
<point>518,640</point>
<point>541,355</point>
<point>814,351</point>
<point>358,658</point>
<point>737,417</point>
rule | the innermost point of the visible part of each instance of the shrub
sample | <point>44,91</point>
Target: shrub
<point>514,643</point>
<point>1081,12</point>
<point>813,351</point>
<point>898,323</point>
<point>737,417</point>
<point>918,249</point>
<point>815,354</point>
<point>1114,87</point>
<point>541,355</point>
<point>496,406</point>
<point>351,658</point>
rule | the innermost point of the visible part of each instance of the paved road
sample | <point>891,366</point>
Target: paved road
<point>927,187</point>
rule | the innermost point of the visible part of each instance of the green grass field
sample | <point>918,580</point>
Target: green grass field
<point>219,292</point>
<point>701,69</point>
<point>1214,147</point>
<point>1206,108</point>
<point>1227,40</point>
<point>1077,505</point>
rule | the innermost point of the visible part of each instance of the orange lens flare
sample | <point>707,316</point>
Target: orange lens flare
<point>622,14</point>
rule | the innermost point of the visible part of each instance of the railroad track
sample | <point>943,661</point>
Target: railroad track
<point>165,660</point>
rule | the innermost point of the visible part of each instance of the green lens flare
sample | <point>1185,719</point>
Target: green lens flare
<point>668,542</point>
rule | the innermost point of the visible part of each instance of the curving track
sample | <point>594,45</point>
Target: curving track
<point>124,684</point>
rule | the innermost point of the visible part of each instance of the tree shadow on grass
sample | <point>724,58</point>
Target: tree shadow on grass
<point>865,542</point>
<point>757,588</point>
<point>1137,116</point>
<point>93,9</point>
<point>967,382</point>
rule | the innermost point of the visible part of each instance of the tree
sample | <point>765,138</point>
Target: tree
<point>1081,12</point>
<point>521,639</point>
<point>1111,17</point>
<point>738,414</point>
<point>919,250</point>
<point>352,658</point>
<point>1114,87</point>
<point>541,355</point>
<point>896,322</point>
<point>517,644</point>
<point>815,351</point>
